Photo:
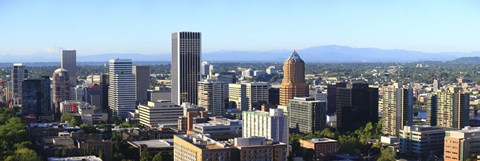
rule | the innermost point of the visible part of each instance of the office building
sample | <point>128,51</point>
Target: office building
<point>159,113</point>
<point>18,74</point>
<point>332,96</point>
<point>259,148</point>
<point>321,146</point>
<point>69,63</point>
<point>142,81</point>
<point>273,96</point>
<point>211,97</point>
<point>60,88</point>
<point>226,78</point>
<point>436,85</point>
<point>104,85</point>
<point>185,70</point>
<point>306,115</point>
<point>219,129</point>
<point>293,83</point>
<point>191,115</point>
<point>196,147</point>
<point>453,108</point>
<point>212,69</point>
<point>271,124</point>
<point>397,110</point>
<point>248,96</point>
<point>36,96</point>
<point>357,104</point>
<point>121,90</point>
<point>462,145</point>
<point>161,94</point>
<point>422,140</point>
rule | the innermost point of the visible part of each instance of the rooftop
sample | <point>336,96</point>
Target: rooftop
<point>321,140</point>
<point>294,57</point>
<point>156,143</point>
<point>81,158</point>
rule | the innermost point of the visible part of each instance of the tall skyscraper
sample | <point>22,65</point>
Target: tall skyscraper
<point>69,62</point>
<point>357,104</point>
<point>60,88</point>
<point>36,96</point>
<point>121,91</point>
<point>142,80</point>
<point>185,74</point>
<point>293,83</point>
<point>397,109</point>
<point>306,115</point>
<point>436,85</point>
<point>104,83</point>
<point>19,73</point>
<point>332,96</point>
<point>270,124</point>
<point>453,108</point>
<point>248,96</point>
<point>210,96</point>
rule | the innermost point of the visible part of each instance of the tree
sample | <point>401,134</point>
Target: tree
<point>163,156</point>
<point>24,154</point>
<point>88,129</point>
<point>145,156</point>
<point>68,117</point>
<point>387,154</point>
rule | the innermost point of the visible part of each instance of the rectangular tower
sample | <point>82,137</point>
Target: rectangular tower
<point>185,70</point>
<point>397,109</point>
<point>142,79</point>
<point>19,73</point>
<point>121,92</point>
<point>210,96</point>
<point>69,62</point>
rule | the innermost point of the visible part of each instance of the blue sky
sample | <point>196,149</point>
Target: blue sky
<point>142,26</point>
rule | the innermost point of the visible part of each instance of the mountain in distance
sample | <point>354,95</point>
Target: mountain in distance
<point>335,53</point>
<point>466,61</point>
<point>322,54</point>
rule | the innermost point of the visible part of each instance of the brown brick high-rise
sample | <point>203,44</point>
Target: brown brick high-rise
<point>293,83</point>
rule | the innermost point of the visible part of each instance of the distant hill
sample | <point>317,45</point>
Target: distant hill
<point>335,53</point>
<point>465,60</point>
<point>327,53</point>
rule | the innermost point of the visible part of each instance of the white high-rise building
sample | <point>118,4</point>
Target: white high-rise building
<point>19,73</point>
<point>121,92</point>
<point>205,69</point>
<point>211,97</point>
<point>272,124</point>
<point>185,70</point>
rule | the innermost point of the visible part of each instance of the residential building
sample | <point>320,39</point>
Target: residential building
<point>18,74</point>
<point>248,96</point>
<point>272,124</point>
<point>211,97</point>
<point>357,104</point>
<point>432,105</point>
<point>293,83</point>
<point>452,108</point>
<point>462,145</point>
<point>161,94</point>
<point>422,140</point>
<point>306,115</point>
<point>397,110</point>
<point>159,113</point>
<point>121,89</point>
<point>185,70</point>
<point>69,63</point>
<point>142,81</point>
<point>321,146</point>
<point>36,96</point>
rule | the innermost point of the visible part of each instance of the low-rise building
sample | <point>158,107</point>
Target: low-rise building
<point>161,112</point>
<point>422,140</point>
<point>153,146</point>
<point>321,146</point>
<point>220,128</point>
<point>461,145</point>
<point>80,158</point>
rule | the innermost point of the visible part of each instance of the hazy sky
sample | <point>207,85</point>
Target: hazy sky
<point>140,26</point>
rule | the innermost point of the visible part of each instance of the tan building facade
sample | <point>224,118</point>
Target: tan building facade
<point>322,146</point>
<point>293,83</point>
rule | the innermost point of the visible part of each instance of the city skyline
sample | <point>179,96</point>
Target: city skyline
<point>429,26</point>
